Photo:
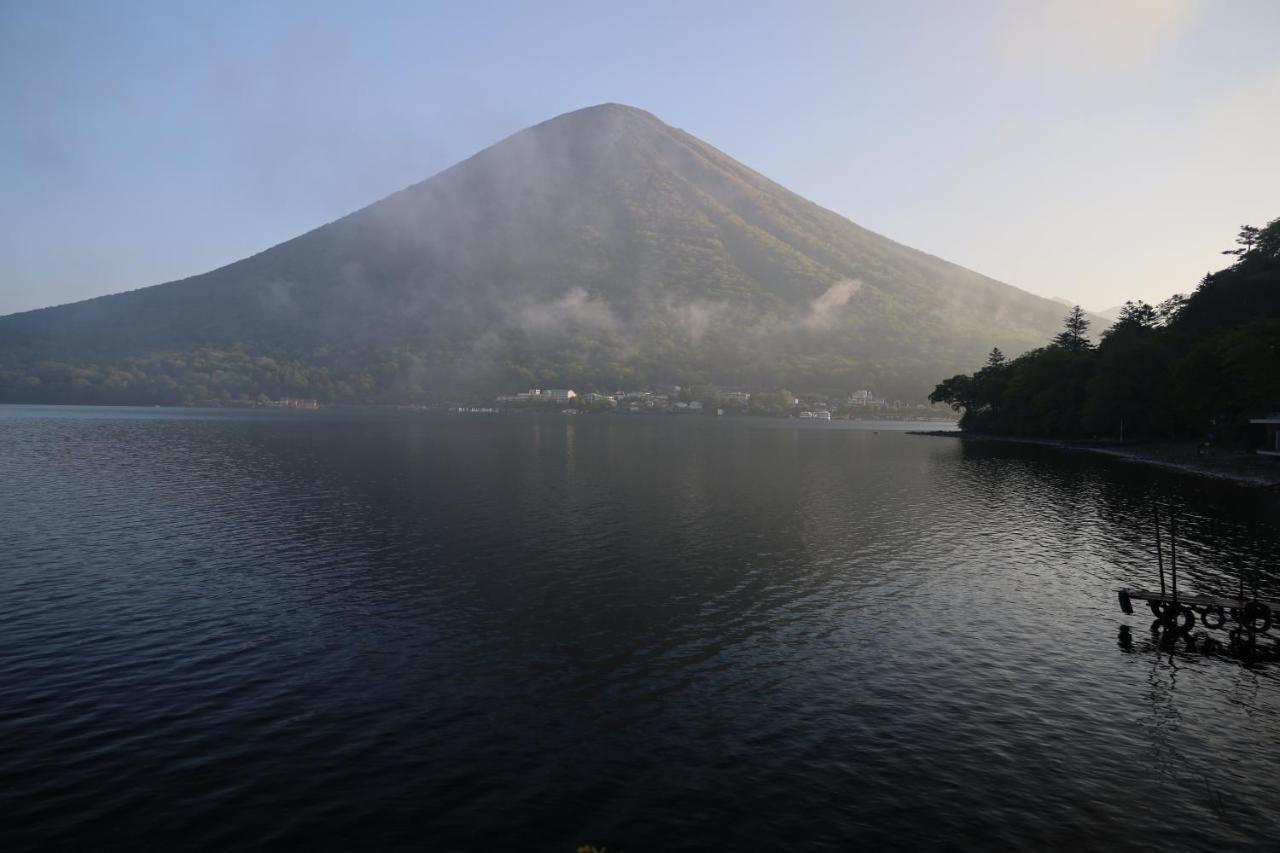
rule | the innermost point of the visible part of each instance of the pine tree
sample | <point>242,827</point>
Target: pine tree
<point>1168,311</point>
<point>1246,240</point>
<point>1073,334</point>
<point>996,359</point>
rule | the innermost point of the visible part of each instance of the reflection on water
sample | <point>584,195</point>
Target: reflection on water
<point>239,629</point>
<point>1249,649</point>
<point>1170,658</point>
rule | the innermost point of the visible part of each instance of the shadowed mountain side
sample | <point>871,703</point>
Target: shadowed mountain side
<point>599,248</point>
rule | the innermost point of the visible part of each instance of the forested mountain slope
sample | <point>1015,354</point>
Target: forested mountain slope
<point>602,248</point>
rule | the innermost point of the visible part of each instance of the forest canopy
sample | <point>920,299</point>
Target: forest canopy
<point>1192,365</point>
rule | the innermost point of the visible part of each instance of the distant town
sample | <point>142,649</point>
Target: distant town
<point>676,399</point>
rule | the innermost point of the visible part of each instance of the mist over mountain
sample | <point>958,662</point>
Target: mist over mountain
<point>602,249</point>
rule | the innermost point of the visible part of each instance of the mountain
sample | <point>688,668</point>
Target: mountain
<point>602,248</point>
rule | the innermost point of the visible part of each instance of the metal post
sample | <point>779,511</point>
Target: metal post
<point>1173,553</point>
<point>1159,550</point>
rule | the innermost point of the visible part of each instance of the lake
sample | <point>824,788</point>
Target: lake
<point>243,630</point>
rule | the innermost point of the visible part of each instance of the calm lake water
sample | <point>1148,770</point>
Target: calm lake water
<point>244,630</point>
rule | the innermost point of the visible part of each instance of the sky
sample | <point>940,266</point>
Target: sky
<point>1094,151</point>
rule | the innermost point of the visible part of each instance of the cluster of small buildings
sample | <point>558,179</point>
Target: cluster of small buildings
<point>660,398</point>
<point>293,403</point>
<point>857,400</point>
<point>663,398</point>
<point>866,400</point>
<point>669,398</point>
<point>540,396</point>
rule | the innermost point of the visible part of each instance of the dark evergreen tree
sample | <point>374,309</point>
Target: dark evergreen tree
<point>1246,240</point>
<point>1134,316</point>
<point>1166,372</point>
<point>1168,310</point>
<point>1073,336</point>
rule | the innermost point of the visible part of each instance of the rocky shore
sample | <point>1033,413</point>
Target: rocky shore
<point>1243,467</point>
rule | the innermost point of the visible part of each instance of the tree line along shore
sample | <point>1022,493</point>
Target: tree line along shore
<point>1191,378</point>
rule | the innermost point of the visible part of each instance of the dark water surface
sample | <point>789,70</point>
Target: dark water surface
<point>243,630</point>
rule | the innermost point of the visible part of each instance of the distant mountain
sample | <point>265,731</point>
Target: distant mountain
<point>602,248</point>
<point>1100,319</point>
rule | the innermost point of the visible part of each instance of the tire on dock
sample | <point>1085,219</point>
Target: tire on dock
<point>1252,613</point>
<point>1177,618</point>
<point>1212,616</point>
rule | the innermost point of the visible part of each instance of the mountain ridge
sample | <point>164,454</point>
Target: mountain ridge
<point>598,247</point>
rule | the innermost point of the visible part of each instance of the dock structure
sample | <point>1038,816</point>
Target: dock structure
<point>1179,612</point>
<point>1244,616</point>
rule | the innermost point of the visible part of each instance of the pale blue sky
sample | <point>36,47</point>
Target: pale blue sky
<point>1096,151</point>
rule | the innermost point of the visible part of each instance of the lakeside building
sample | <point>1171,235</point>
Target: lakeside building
<point>1272,425</point>
<point>865,399</point>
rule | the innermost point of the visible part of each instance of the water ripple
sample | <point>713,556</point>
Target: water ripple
<point>239,630</point>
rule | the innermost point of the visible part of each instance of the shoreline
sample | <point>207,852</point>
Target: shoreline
<point>1236,466</point>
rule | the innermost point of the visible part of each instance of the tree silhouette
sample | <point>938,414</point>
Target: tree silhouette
<point>1074,328</point>
<point>1168,311</point>
<point>1167,371</point>
<point>1246,240</point>
<point>1134,316</point>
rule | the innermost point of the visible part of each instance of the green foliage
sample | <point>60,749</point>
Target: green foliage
<point>780,402</point>
<point>219,377</point>
<point>1177,370</point>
